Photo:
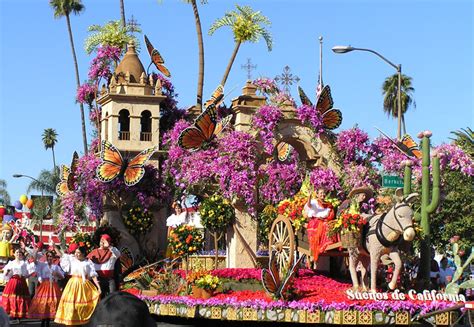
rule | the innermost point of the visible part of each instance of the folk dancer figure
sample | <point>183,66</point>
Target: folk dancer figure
<point>80,296</point>
<point>15,297</point>
<point>6,243</point>
<point>45,302</point>
<point>104,259</point>
<point>319,214</point>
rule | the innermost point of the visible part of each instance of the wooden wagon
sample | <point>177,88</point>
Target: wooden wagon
<point>285,243</point>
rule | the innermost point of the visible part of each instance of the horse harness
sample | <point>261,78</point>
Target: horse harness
<point>378,230</point>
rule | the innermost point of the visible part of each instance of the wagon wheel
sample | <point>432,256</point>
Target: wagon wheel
<point>282,243</point>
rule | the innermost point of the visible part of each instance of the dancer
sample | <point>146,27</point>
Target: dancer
<point>45,302</point>
<point>319,213</point>
<point>79,297</point>
<point>15,297</point>
<point>104,259</point>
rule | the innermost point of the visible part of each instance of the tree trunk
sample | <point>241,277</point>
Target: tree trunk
<point>201,56</point>
<point>404,129</point>
<point>122,13</point>
<point>54,159</point>
<point>78,83</point>
<point>231,62</point>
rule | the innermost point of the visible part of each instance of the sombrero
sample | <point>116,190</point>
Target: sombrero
<point>364,189</point>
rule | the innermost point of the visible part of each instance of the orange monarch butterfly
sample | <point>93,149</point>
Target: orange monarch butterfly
<point>409,146</point>
<point>283,151</point>
<point>406,145</point>
<point>113,164</point>
<point>205,127</point>
<point>156,58</point>
<point>68,177</point>
<point>271,278</point>
<point>332,118</point>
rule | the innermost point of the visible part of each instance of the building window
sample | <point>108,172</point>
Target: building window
<point>124,125</point>
<point>145,122</point>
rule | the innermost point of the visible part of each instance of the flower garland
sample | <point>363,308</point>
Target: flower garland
<point>138,220</point>
<point>185,240</point>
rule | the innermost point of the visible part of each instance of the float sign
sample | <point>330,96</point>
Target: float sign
<point>392,181</point>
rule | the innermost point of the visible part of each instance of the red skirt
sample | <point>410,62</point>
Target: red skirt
<point>318,237</point>
<point>45,302</point>
<point>16,297</point>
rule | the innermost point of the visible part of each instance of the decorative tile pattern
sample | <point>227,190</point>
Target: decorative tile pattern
<point>163,309</point>
<point>349,317</point>
<point>171,310</point>
<point>313,317</point>
<point>288,314</point>
<point>366,318</point>
<point>231,314</point>
<point>191,312</point>
<point>337,317</point>
<point>442,319</point>
<point>216,313</point>
<point>402,318</point>
<point>302,316</point>
<point>249,314</point>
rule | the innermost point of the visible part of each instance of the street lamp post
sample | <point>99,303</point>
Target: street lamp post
<point>344,49</point>
<point>42,197</point>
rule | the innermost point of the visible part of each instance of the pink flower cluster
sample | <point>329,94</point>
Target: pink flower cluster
<point>86,93</point>
<point>357,175</point>
<point>311,116</point>
<point>101,65</point>
<point>266,120</point>
<point>279,181</point>
<point>353,145</point>
<point>391,159</point>
<point>325,178</point>
<point>266,85</point>
<point>454,158</point>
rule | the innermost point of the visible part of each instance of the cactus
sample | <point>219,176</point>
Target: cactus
<point>428,205</point>
<point>407,177</point>
<point>453,287</point>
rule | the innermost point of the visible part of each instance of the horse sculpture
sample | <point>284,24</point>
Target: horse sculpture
<point>382,237</point>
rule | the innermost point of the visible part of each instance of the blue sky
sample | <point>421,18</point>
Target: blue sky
<point>433,40</point>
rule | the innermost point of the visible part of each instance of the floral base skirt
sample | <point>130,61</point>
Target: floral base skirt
<point>16,297</point>
<point>44,303</point>
<point>77,303</point>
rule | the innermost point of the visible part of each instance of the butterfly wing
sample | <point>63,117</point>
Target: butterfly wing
<point>332,119</point>
<point>191,138</point>
<point>304,98</point>
<point>135,169</point>
<point>216,97</point>
<point>62,187</point>
<point>289,278</point>
<point>126,259</point>
<point>325,101</point>
<point>222,124</point>
<point>410,147</point>
<point>71,179</point>
<point>112,162</point>
<point>283,151</point>
<point>194,137</point>
<point>156,58</point>
<point>268,277</point>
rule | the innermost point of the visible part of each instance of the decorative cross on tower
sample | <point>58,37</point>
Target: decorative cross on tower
<point>249,68</point>
<point>286,79</point>
<point>133,23</point>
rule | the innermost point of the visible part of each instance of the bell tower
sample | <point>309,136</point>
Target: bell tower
<point>130,117</point>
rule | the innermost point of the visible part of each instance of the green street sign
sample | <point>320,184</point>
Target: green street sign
<point>392,181</point>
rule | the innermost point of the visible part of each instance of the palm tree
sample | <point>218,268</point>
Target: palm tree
<point>4,196</point>
<point>49,141</point>
<point>65,8</point>
<point>122,13</point>
<point>46,182</point>
<point>113,34</point>
<point>390,93</point>
<point>465,140</point>
<point>246,26</point>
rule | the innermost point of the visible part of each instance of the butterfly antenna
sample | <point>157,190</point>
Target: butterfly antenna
<point>148,68</point>
<point>230,92</point>
<point>393,142</point>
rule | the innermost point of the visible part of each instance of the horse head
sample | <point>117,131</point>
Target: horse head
<point>403,214</point>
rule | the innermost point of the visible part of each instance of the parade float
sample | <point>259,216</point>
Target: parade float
<point>251,166</point>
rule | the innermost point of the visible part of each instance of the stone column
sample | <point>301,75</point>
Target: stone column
<point>242,235</point>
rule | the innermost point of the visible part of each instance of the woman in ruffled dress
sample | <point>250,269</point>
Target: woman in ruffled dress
<point>16,297</point>
<point>45,302</point>
<point>80,296</point>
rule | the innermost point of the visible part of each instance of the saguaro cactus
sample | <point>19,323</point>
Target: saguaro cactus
<point>453,287</point>
<point>428,205</point>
